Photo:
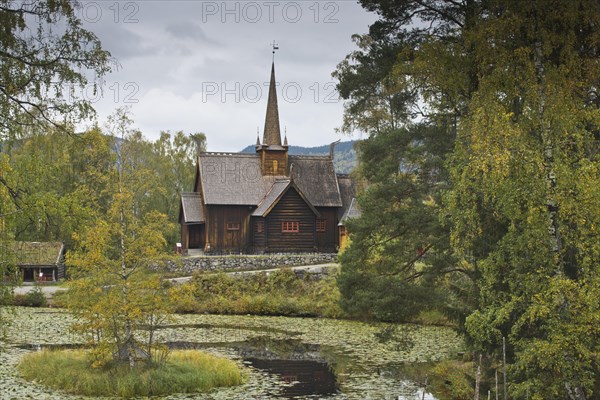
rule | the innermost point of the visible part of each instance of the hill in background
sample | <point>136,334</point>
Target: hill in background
<point>344,159</point>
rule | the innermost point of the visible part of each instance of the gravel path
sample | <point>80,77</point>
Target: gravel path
<point>47,290</point>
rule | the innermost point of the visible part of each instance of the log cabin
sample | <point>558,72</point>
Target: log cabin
<point>264,202</point>
<point>39,261</point>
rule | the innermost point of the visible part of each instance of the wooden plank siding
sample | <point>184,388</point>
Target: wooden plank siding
<point>327,241</point>
<point>222,240</point>
<point>185,238</point>
<point>259,236</point>
<point>291,208</point>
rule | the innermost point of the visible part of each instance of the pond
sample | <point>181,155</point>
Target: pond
<point>296,358</point>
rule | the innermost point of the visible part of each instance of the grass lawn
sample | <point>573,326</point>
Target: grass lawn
<point>185,371</point>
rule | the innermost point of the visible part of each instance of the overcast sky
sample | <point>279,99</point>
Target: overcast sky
<point>203,66</point>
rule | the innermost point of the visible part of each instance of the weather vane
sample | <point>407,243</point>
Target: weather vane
<point>275,47</point>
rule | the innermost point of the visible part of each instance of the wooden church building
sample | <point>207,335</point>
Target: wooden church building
<point>264,202</point>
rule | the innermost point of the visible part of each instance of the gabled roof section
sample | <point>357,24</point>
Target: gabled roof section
<point>272,132</point>
<point>347,187</point>
<point>233,179</point>
<point>272,197</point>
<point>236,179</point>
<point>315,176</point>
<point>191,207</point>
<point>279,188</point>
<point>352,212</point>
<point>38,253</point>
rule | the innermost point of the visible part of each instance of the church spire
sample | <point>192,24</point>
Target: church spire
<point>272,133</point>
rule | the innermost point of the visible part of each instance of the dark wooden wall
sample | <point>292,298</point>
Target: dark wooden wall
<point>259,239</point>
<point>327,241</point>
<point>185,239</point>
<point>291,207</point>
<point>222,240</point>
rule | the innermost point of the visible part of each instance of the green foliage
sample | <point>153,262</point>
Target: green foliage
<point>46,56</point>
<point>400,252</point>
<point>58,181</point>
<point>510,90</point>
<point>277,293</point>
<point>186,372</point>
<point>7,257</point>
<point>111,294</point>
<point>525,200</point>
<point>33,298</point>
<point>453,380</point>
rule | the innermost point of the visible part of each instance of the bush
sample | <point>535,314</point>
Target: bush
<point>6,295</point>
<point>277,293</point>
<point>33,298</point>
<point>453,379</point>
<point>185,372</point>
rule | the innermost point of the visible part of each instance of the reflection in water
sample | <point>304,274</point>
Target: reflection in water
<point>304,376</point>
<point>300,365</point>
<point>311,370</point>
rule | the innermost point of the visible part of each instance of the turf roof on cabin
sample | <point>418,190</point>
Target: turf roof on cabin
<point>38,253</point>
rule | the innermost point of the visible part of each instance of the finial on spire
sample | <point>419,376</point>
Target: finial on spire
<point>275,47</point>
<point>285,142</point>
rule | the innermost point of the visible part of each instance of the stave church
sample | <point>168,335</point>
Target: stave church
<point>268,201</point>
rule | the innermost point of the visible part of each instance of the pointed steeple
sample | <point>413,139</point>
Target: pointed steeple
<point>272,133</point>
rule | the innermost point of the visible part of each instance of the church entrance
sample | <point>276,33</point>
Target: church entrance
<point>196,233</point>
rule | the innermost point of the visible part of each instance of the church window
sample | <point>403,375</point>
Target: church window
<point>321,225</point>
<point>260,226</point>
<point>233,226</point>
<point>290,227</point>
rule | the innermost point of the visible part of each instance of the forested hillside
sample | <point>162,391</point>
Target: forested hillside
<point>344,159</point>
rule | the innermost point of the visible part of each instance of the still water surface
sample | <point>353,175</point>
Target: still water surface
<point>294,358</point>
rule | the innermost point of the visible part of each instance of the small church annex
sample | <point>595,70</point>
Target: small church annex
<point>266,202</point>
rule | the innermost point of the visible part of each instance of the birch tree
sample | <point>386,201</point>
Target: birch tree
<point>117,302</point>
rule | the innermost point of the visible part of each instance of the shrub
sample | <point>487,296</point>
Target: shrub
<point>6,295</point>
<point>185,372</point>
<point>277,293</point>
<point>33,298</point>
<point>452,379</point>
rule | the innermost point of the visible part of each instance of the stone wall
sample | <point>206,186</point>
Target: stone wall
<point>188,265</point>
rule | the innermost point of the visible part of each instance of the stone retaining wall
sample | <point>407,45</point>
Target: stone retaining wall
<point>248,262</point>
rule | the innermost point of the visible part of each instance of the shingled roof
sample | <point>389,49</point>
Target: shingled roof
<point>352,212</point>
<point>191,207</point>
<point>274,194</point>
<point>315,176</point>
<point>347,192</point>
<point>279,188</point>
<point>236,179</point>
<point>233,179</point>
